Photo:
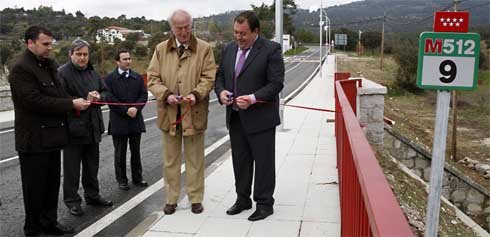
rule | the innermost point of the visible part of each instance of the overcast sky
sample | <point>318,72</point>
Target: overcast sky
<point>154,9</point>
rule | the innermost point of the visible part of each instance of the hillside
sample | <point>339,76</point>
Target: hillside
<point>401,15</point>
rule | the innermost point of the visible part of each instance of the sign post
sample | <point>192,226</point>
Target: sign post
<point>447,61</point>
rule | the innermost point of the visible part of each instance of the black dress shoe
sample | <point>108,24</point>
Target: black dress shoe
<point>98,202</point>
<point>123,186</point>
<point>237,208</point>
<point>58,229</point>
<point>197,208</point>
<point>141,183</point>
<point>76,210</point>
<point>169,209</point>
<point>260,214</point>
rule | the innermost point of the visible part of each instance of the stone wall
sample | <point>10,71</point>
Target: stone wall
<point>470,197</point>
<point>5,99</point>
<point>370,110</point>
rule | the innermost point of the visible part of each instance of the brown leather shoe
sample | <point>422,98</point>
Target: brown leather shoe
<point>169,209</point>
<point>197,208</point>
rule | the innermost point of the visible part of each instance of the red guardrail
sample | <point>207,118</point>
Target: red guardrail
<point>368,205</point>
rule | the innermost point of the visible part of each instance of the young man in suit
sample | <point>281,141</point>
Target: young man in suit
<point>248,82</point>
<point>126,122</point>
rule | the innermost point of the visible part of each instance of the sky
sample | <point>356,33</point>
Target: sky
<point>155,9</point>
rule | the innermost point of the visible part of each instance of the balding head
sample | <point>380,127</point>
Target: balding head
<point>181,25</point>
<point>178,16</point>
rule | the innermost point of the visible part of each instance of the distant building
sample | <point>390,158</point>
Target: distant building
<point>111,33</point>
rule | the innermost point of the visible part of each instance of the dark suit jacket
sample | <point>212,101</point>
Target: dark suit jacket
<point>86,127</point>
<point>261,75</point>
<point>40,105</point>
<point>126,90</point>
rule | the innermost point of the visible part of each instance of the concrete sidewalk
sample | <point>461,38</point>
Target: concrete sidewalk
<point>306,194</point>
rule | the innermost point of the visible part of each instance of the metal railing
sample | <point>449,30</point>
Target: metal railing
<point>368,205</point>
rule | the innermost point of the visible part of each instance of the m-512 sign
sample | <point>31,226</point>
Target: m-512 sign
<point>448,61</point>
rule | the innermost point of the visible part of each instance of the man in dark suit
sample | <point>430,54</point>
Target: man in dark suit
<point>40,105</point>
<point>126,122</point>
<point>248,82</point>
<point>85,129</point>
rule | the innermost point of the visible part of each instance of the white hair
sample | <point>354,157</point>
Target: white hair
<point>170,19</point>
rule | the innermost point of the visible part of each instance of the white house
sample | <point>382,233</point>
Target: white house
<point>111,33</point>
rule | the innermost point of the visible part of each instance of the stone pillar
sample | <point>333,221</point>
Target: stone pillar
<point>371,110</point>
<point>5,99</point>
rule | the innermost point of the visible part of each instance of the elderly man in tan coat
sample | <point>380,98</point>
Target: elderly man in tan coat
<point>181,75</point>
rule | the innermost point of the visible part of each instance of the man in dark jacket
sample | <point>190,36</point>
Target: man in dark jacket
<point>40,105</point>
<point>86,129</point>
<point>126,122</point>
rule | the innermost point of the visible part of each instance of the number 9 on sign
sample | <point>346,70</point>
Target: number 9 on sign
<point>448,61</point>
<point>448,71</point>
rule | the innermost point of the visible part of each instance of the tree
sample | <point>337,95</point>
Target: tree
<point>156,39</point>
<point>140,51</point>
<point>266,15</point>
<point>94,23</point>
<point>5,54</point>
<point>79,14</point>
<point>127,44</point>
<point>405,54</point>
<point>305,36</point>
<point>371,40</point>
<point>135,37</point>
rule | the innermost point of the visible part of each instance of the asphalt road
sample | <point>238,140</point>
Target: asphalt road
<point>12,210</point>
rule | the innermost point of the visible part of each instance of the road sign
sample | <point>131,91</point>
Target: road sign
<point>448,61</point>
<point>340,39</point>
<point>451,21</point>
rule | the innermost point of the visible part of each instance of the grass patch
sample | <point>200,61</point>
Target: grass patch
<point>295,51</point>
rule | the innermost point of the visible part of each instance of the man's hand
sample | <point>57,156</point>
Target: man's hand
<point>93,96</point>
<point>226,97</point>
<point>173,99</point>
<point>191,98</point>
<point>80,104</point>
<point>132,111</point>
<point>243,102</point>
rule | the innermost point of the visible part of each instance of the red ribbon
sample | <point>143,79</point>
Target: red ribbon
<point>181,118</point>
<point>296,106</point>
<point>118,103</point>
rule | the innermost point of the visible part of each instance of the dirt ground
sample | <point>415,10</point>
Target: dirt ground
<point>414,114</point>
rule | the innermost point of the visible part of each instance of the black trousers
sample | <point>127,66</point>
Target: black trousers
<point>88,156</point>
<point>247,149</point>
<point>40,174</point>
<point>120,148</point>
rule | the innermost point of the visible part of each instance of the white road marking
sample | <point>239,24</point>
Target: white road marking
<point>108,219</point>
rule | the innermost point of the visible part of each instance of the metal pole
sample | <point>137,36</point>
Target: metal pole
<point>437,163</point>
<point>454,131</point>
<point>321,35</point>
<point>279,30</point>
<point>329,36</point>
<point>382,42</point>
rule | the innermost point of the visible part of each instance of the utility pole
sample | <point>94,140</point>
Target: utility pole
<point>382,42</point>
<point>455,115</point>
<point>359,44</point>
<point>279,39</point>
<point>321,35</point>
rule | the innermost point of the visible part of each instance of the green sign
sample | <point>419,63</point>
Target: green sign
<point>448,61</point>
